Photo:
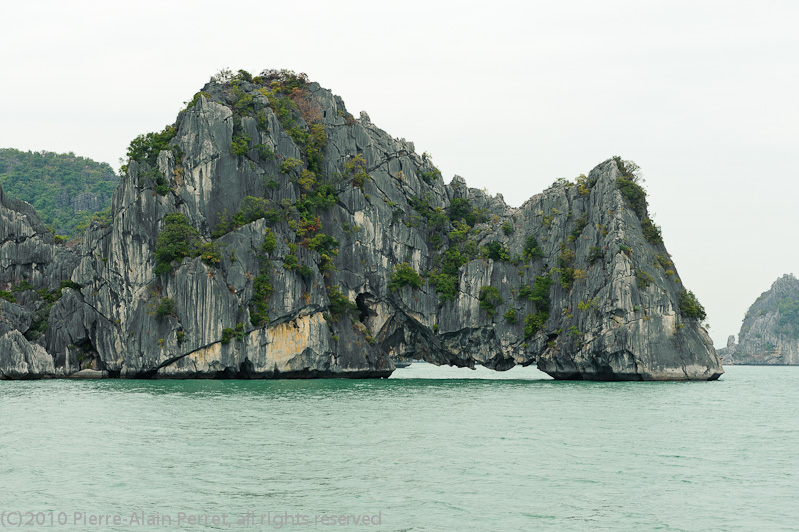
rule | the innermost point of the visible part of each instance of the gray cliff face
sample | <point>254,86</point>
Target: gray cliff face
<point>29,261</point>
<point>770,331</point>
<point>592,299</point>
<point>27,250</point>
<point>19,359</point>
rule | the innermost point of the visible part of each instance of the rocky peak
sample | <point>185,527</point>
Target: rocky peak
<point>270,233</point>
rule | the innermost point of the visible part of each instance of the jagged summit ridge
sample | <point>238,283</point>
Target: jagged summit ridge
<point>269,233</point>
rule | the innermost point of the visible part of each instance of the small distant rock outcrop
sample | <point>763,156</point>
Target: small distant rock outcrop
<point>770,331</point>
<point>86,201</point>
<point>269,233</point>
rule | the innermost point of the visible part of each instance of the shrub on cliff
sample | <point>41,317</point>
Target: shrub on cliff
<point>490,299</point>
<point>630,187</point>
<point>579,225</point>
<point>177,240</point>
<point>566,267</point>
<point>461,209</point>
<point>165,308</point>
<point>534,322</point>
<point>238,333</point>
<point>355,170</point>
<point>404,275</point>
<point>532,250</point>
<point>339,303</point>
<point>690,306</point>
<point>324,244</point>
<point>446,285</point>
<point>510,316</point>
<point>145,148</point>
<point>240,145</point>
<point>644,278</point>
<point>539,295</point>
<point>8,296</point>
<point>496,251</point>
<point>435,217</point>
<point>651,231</point>
<point>262,289</point>
<point>431,176</point>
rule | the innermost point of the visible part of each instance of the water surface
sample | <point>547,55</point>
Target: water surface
<point>431,449</point>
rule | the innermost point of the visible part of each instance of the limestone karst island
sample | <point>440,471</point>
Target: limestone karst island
<point>769,334</point>
<point>268,233</point>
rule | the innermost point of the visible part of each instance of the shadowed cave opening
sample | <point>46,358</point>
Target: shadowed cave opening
<point>363,300</point>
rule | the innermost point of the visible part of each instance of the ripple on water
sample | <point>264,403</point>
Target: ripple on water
<point>432,450</point>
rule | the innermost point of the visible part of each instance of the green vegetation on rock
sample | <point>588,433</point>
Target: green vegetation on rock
<point>539,296</point>
<point>355,170</point>
<point>262,289</point>
<point>496,251</point>
<point>8,296</point>
<point>404,275</point>
<point>629,183</point>
<point>644,278</point>
<point>339,303</point>
<point>146,147</point>
<point>651,231</point>
<point>594,254</point>
<point>532,250</point>
<point>510,316</point>
<point>165,308</point>
<point>292,263</point>
<point>66,190</point>
<point>690,306</point>
<point>579,225</point>
<point>238,333</point>
<point>490,299</point>
<point>565,267</point>
<point>789,316</point>
<point>177,240</point>
<point>461,209</point>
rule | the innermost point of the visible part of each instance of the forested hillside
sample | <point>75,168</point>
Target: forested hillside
<point>65,189</point>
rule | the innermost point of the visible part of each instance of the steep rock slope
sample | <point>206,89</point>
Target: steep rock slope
<point>770,330</point>
<point>269,233</point>
<point>32,270</point>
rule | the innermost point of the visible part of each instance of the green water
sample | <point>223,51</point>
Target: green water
<point>427,450</point>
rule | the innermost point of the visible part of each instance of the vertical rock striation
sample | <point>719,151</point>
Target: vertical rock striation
<point>269,233</point>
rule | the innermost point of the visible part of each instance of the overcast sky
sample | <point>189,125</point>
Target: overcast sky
<point>511,95</point>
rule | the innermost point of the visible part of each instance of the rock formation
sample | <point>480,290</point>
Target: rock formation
<point>19,359</point>
<point>770,331</point>
<point>269,233</point>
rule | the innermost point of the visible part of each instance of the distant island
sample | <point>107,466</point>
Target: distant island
<point>269,233</point>
<point>770,331</point>
<point>65,189</point>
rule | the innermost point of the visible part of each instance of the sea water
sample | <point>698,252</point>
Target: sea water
<point>431,449</point>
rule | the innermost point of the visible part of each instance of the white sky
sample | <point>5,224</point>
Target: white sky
<point>509,94</point>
